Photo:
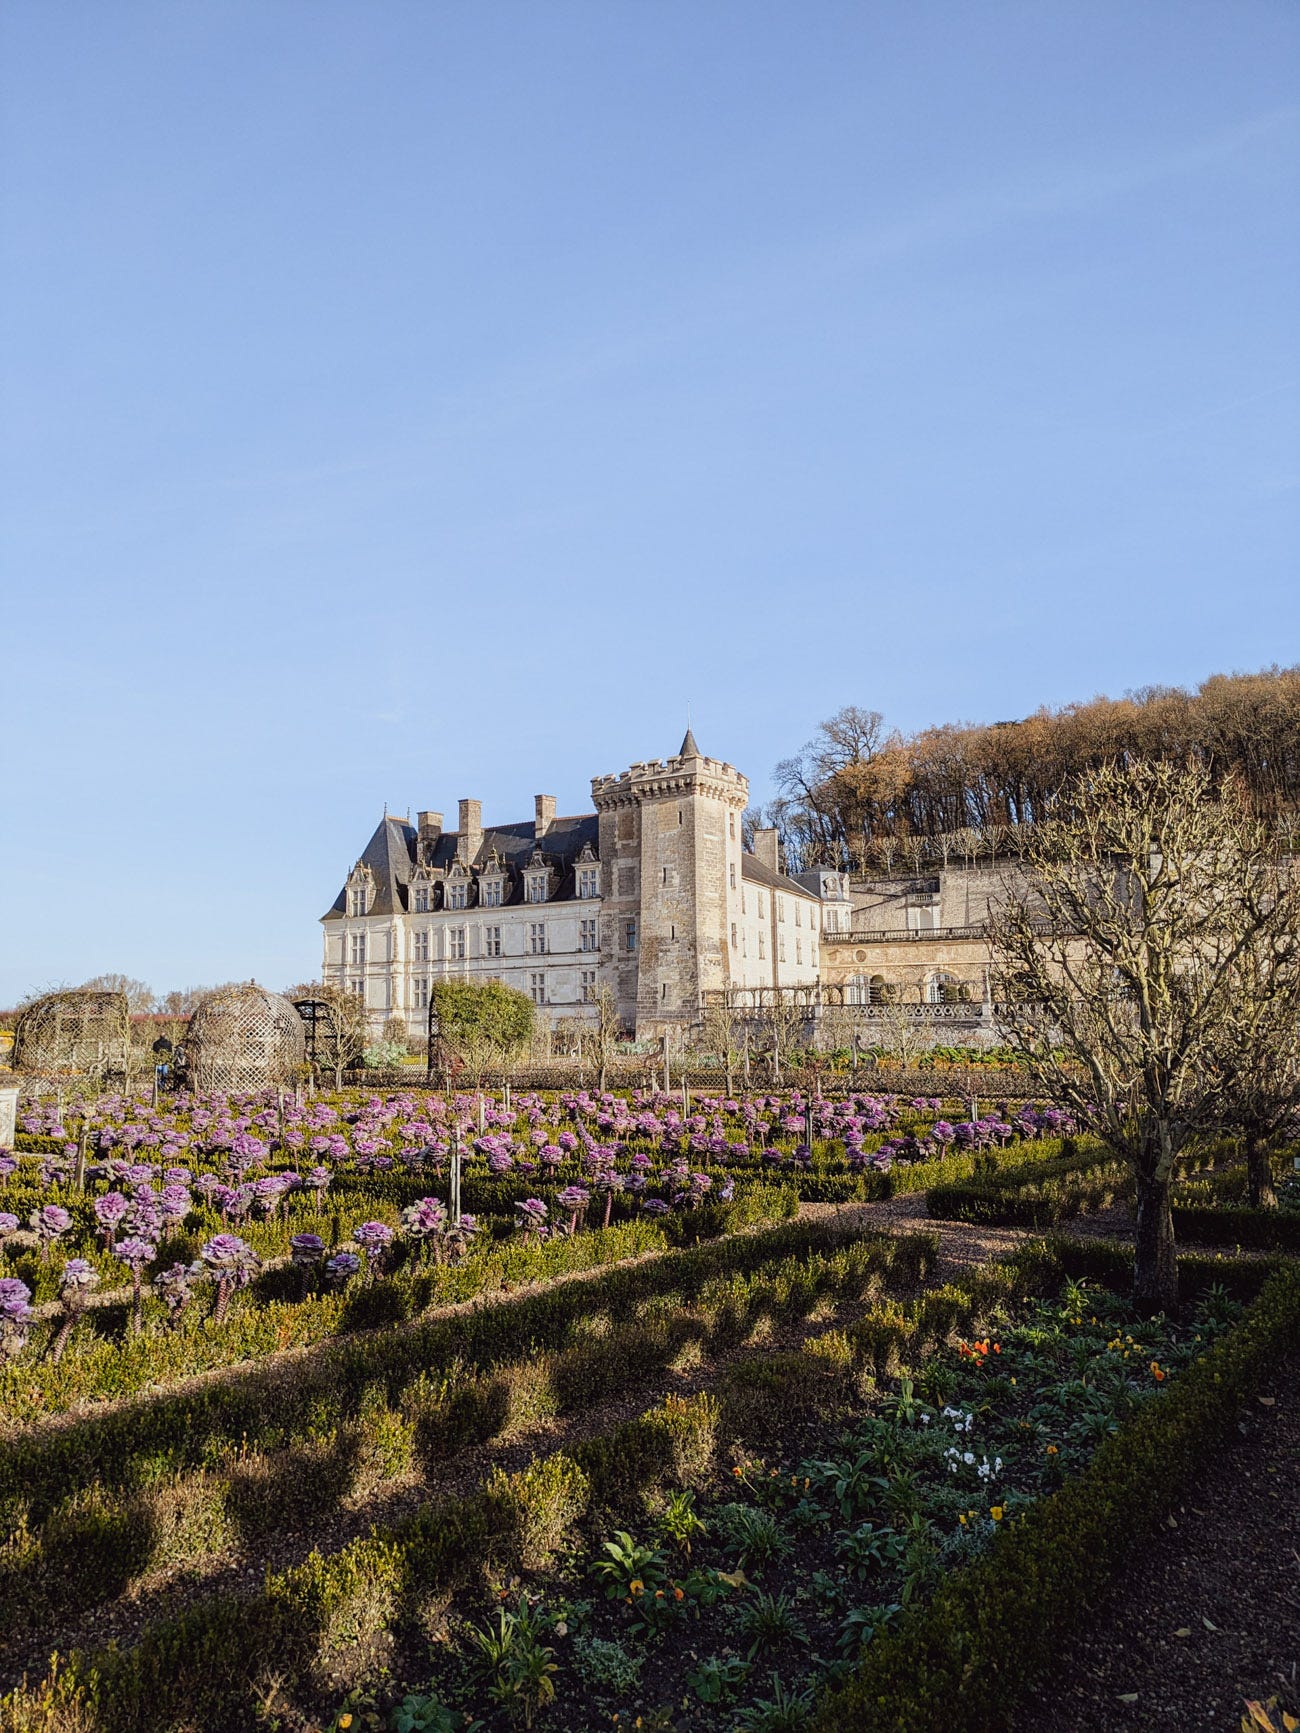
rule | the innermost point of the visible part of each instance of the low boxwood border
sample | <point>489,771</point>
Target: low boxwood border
<point>991,1631</point>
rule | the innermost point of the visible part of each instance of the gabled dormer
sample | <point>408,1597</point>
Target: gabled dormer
<point>456,887</point>
<point>537,878</point>
<point>422,890</point>
<point>586,873</point>
<point>360,889</point>
<point>493,883</point>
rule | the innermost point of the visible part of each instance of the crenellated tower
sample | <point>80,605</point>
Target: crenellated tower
<point>670,850</point>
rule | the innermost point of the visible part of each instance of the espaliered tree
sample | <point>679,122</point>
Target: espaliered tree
<point>1134,964</point>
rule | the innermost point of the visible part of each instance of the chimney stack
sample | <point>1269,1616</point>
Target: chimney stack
<point>471,830</point>
<point>544,814</point>
<point>767,849</point>
<point>430,824</point>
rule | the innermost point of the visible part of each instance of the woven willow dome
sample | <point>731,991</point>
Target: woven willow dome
<point>242,1039</point>
<point>79,1032</point>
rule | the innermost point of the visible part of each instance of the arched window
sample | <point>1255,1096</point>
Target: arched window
<point>944,989</point>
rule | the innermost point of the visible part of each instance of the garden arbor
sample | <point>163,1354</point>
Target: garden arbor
<point>244,1038</point>
<point>77,1032</point>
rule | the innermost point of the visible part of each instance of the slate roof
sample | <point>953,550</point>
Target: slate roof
<point>755,873</point>
<point>391,856</point>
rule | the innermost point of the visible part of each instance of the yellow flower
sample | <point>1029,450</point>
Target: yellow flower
<point>636,1585</point>
<point>345,1720</point>
<point>995,1512</point>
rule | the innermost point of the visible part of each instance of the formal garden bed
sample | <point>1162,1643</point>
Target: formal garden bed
<point>838,1523</point>
<point>1208,1198</point>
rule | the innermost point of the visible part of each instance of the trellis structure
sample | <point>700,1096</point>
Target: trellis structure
<point>243,1038</point>
<point>77,1032</point>
<point>325,1038</point>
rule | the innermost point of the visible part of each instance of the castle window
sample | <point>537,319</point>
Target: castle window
<point>780,949</point>
<point>587,983</point>
<point>358,950</point>
<point>538,987</point>
<point>629,935</point>
<point>420,993</point>
<point>681,816</point>
<point>731,825</point>
<point>457,896</point>
<point>762,945</point>
<point>456,944</point>
<point>537,938</point>
<point>798,914</point>
<point>536,883</point>
<point>420,946</point>
<point>780,908</point>
<point>491,941</point>
<point>589,882</point>
<point>733,935</point>
<point>357,986</point>
<point>588,936</point>
<point>357,900</point>
<point>489,894</point>
<point>421,899</point>
<point>798,950</point>
<point>663,991</point>
<point>732,874</point>
<point>761,910</point>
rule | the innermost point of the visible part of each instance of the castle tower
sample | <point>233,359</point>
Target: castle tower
<point>670,845</point>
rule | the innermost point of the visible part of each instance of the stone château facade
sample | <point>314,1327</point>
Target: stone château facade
<point>652,895</point>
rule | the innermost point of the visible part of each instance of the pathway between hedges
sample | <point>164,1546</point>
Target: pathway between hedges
<point>1208,1612</point>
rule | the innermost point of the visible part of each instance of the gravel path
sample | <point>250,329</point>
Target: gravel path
<point>1208,1612</point>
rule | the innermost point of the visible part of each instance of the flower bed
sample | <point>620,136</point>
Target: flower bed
<point>805,1560</point>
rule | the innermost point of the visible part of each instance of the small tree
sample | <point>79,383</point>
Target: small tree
<point>1117,970</point>
<point>484,1023</point>
<point>723,1031</point>
<point>603,1034</point>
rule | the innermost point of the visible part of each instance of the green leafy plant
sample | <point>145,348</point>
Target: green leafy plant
<point>518,1666</point>
<point>717,1679</point>
<point>766,1620</point>
<point>785,1711</point>
<point>606,1665</point>
<point>754,1537</point>
<point>681,1522</point>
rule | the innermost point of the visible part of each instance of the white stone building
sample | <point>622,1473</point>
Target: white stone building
<point>652,895</point>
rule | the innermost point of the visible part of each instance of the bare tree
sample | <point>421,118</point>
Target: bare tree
<point>723,1033</point>
<point>1117,969</point>
<point>604,1034</point>
<point>139,994</point>
<point>1264,1061</point>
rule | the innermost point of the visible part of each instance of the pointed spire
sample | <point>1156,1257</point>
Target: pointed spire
<point>688,748</point>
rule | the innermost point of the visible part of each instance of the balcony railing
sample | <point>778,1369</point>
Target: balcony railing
<point>903,935</point>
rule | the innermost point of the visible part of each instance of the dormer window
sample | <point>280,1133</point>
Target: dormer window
<point>360,886</point>
<point>535,887</point>
<point>457,896</point>
<point>421,901</point>
<point>589,881</point>
<point>491,892</point>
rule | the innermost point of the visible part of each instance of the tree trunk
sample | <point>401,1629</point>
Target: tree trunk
<point>1155,1267</point>
<point>1259,1172</point>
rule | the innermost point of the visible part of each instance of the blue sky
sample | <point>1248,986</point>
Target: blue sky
<point>408,400</point>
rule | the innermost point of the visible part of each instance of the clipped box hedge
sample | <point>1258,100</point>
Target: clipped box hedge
<point>970,1656</point>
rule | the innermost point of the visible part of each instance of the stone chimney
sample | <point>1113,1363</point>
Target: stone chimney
<point>767,849</point>
<point>430,824</point>
<point>471,830</point>
<point>543,814</point>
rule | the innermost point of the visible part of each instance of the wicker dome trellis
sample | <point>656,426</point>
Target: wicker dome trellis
<point>241,1039</point>
<point>80,1031</point>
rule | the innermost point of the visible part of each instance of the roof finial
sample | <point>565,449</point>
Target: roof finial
<point>688,748</point>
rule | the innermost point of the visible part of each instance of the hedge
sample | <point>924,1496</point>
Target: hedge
<point>96,1542</point>
<point>991,1631</point>
<point>269,1405</point>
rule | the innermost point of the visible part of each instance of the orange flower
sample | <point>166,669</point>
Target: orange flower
<point>679,1592</point>
<point>1053,1450</point>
